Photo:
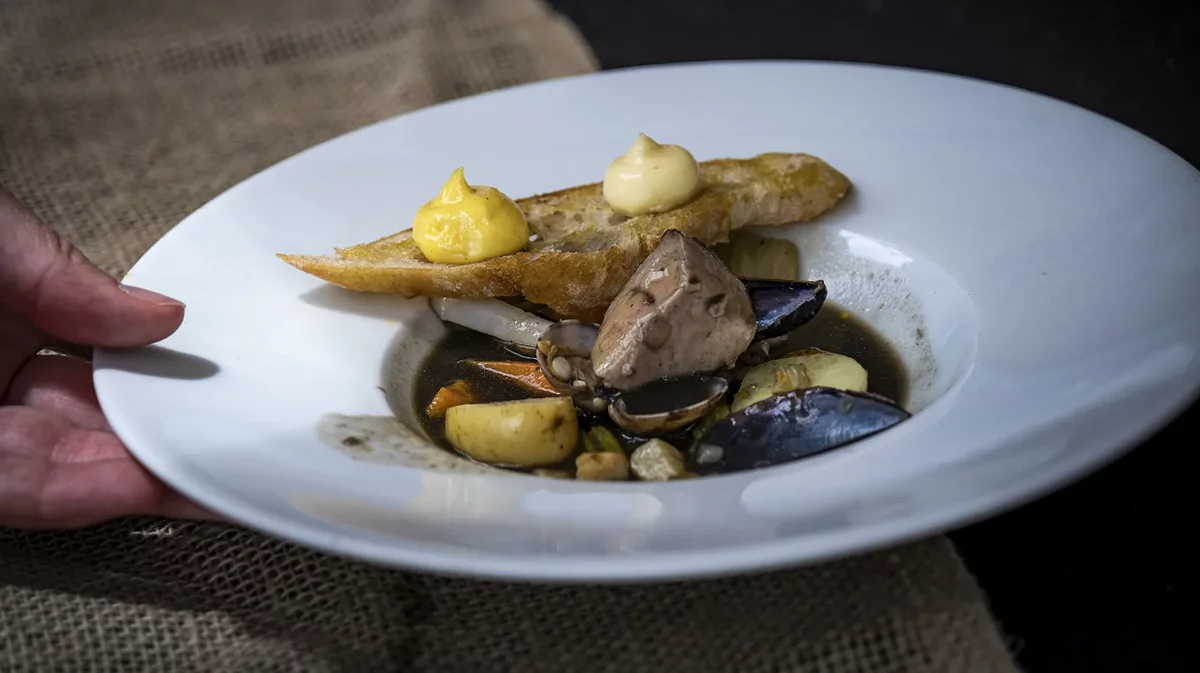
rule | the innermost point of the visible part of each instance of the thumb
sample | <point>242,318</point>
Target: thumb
<point>47,281</point>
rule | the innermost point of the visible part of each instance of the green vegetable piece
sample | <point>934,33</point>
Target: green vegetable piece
<point>600,439</point>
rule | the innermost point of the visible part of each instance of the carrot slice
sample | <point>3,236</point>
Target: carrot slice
<point>450,396</point>
<point>528,375</point>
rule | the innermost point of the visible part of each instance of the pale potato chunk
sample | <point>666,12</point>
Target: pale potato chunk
<point>809,368</point>
<point>525,433</point>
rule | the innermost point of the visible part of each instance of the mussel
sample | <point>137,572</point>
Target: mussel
<point>780,307</point>
<point>791,426</point>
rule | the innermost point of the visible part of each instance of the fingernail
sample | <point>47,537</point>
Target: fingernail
<point>152,297</point>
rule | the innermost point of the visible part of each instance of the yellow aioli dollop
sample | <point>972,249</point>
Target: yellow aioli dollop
<point>464,224</point>
<point>651,178</point>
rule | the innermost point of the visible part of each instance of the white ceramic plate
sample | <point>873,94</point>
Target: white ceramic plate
<point>1047,255</point>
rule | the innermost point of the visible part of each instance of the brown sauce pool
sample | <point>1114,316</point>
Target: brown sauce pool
<point>833,329</point>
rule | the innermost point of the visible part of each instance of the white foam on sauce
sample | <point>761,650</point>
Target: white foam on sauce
<point>386,441</point>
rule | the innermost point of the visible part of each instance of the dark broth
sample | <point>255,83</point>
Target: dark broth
<point>836,330</point>
<point>833,329</point>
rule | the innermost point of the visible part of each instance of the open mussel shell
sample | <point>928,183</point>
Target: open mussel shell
<point>791,426</point>
<point>666,405</point>
<point>564,353</point>
<point>781,306</point>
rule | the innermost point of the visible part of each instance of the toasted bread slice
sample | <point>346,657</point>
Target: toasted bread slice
<point>583,252</point>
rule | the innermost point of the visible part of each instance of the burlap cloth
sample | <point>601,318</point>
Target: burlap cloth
<point>118,118</point>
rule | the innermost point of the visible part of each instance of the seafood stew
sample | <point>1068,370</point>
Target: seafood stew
<point>732,386</point>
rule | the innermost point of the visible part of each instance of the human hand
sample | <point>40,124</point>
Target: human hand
<point>60,464</point>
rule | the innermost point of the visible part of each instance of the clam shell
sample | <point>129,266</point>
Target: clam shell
<point>666,405</point>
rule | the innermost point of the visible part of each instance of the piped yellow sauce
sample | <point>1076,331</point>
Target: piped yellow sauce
<point>651,178</point>
<point>465,224</point>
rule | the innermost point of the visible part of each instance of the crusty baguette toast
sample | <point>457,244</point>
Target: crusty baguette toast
<point>583,252</point>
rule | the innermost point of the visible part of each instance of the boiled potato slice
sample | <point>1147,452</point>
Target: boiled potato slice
<point>769,378</point>
<point>831,370</point>
<point>809,368</point>
<point>525,433</point>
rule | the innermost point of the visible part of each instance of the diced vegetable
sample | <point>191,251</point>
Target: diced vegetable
<point>600,439</point>
<point>808,368</point>
<point>528,375</point>
<point>452,395</point>
<point>525,433</point>
<point>754,256</point>
<point>602,466</point>
<point>657,460</point>
<point>492,317</point>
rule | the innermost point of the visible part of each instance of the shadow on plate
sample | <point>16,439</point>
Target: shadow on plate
<point>163,363</point>
<point>368,304</point>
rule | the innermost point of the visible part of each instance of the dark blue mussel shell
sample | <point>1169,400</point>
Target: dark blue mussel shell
<point>791,426</point>
<point>781,306</point>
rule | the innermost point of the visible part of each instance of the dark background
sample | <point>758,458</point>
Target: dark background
<point>1102,575</point>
